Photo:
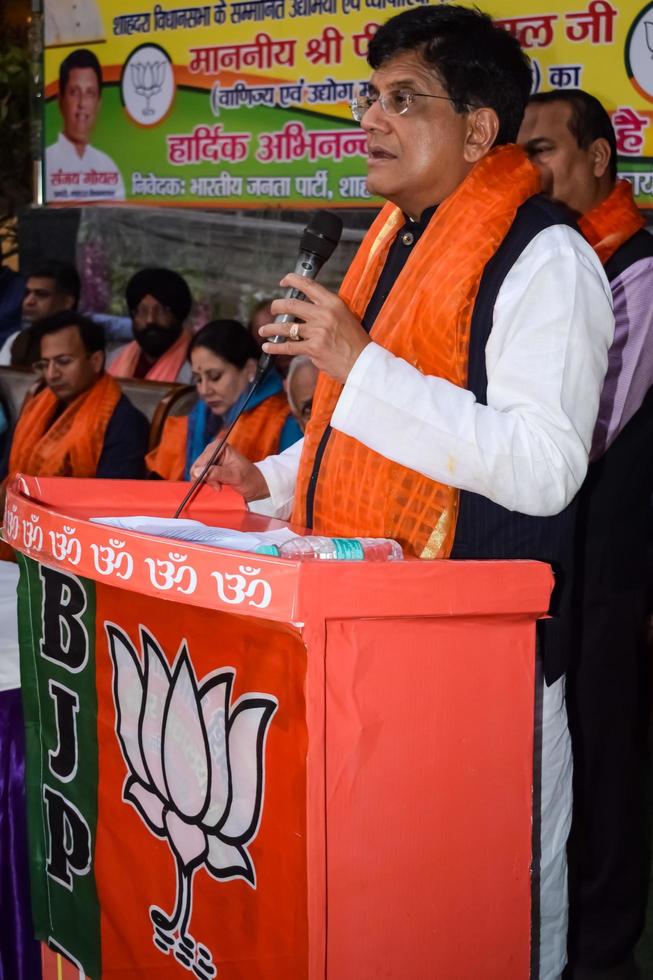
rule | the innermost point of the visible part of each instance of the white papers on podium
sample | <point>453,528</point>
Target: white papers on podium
<point>198,533</point>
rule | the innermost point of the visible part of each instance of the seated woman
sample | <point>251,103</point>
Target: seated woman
<point>223,356</point>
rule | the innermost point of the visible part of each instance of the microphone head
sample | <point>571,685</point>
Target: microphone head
<point>321,234</point>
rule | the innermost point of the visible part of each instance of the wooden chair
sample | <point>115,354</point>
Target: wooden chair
<point>157,400</point>
<point>16,386</point>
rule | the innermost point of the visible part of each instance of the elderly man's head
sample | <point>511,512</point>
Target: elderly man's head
<point>159,301</point>
<point>300,387</point>
<point>71,353</point>
<point>447,86</point>
<point>569,137</point>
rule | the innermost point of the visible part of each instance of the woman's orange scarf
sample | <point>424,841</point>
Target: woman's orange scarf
<point>612,222</point>
<point>71,445</point>
<point>426,321</point>
<point>166,368</point>
<point>257,434</point>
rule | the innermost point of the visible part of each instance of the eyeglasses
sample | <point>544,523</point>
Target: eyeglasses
<point>61,361</point>
<point>393,104</point>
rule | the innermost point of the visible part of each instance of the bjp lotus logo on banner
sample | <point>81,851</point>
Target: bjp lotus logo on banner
<point>195,773</point>
<point>147,85</point>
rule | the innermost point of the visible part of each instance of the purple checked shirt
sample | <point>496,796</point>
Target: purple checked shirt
<point>630,359</point>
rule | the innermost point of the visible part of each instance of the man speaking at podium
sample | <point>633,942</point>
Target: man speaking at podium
<point>462,361</point>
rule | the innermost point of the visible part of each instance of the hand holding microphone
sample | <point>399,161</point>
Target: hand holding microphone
<point>318,242</point>
<point>329,333</point>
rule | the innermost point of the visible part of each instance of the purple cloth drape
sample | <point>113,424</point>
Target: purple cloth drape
<point>20,957</point>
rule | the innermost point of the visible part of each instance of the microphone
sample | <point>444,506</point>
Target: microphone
<point>316,245</point>
<point>321,235</point>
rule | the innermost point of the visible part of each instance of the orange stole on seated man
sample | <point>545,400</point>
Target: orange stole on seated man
<point>73,443</point>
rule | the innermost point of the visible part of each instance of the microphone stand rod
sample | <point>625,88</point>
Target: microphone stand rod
<point>261,371</point>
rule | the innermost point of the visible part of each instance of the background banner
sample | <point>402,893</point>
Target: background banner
<point>245,102</point>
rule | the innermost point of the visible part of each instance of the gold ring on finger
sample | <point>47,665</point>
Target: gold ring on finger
<point>294,333</point>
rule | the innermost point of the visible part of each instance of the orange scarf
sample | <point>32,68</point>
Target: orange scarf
<point>612,222</point>
<point>70,446</point>
<point>166,368</point>
<point>426,321</point>
<point>256,435</point>
<point>168,459</point>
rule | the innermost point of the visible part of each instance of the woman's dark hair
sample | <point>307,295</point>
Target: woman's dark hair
<point>589,120</point>
<point>229,339</point>
<point>479,64</point>
<point>91,333</point>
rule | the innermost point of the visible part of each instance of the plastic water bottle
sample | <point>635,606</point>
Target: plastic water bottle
<point>313,548</point>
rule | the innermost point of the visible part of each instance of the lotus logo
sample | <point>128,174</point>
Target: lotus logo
<point>195,773</point>
<point>147,79</point>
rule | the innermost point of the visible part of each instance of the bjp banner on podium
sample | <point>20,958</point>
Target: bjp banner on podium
<point>242,766</point>
<point>165,766</point>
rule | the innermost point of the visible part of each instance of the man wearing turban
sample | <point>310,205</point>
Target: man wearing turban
<point>159,301</point>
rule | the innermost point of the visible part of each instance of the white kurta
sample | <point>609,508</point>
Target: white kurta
<point>546,358</point>
<point>91,177</point>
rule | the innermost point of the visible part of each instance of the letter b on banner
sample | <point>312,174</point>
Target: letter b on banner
<point>65,640</point>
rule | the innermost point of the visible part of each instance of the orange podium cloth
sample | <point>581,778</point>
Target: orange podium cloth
<point>426,321</point>
<point>273,769</point>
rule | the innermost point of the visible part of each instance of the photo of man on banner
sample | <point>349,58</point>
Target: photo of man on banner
<point>75,170</point>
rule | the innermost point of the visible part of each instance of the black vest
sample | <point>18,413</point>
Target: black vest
<point>485,529</point>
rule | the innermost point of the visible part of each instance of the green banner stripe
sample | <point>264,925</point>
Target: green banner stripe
<point>56,616</point>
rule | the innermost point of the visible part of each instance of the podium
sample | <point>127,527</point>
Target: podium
<point>240,766</point>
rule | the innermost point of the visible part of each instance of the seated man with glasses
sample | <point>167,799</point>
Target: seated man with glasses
<point>462,363</point>
<point>159,301</point>
<point>80,424</point>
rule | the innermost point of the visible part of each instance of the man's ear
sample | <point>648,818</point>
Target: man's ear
<point>600,154</point>
<point>482,131</point>
<point>96,360</point>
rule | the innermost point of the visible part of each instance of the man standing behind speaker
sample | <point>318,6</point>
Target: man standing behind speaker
<point>568,134</point>
<point>462,361</point>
